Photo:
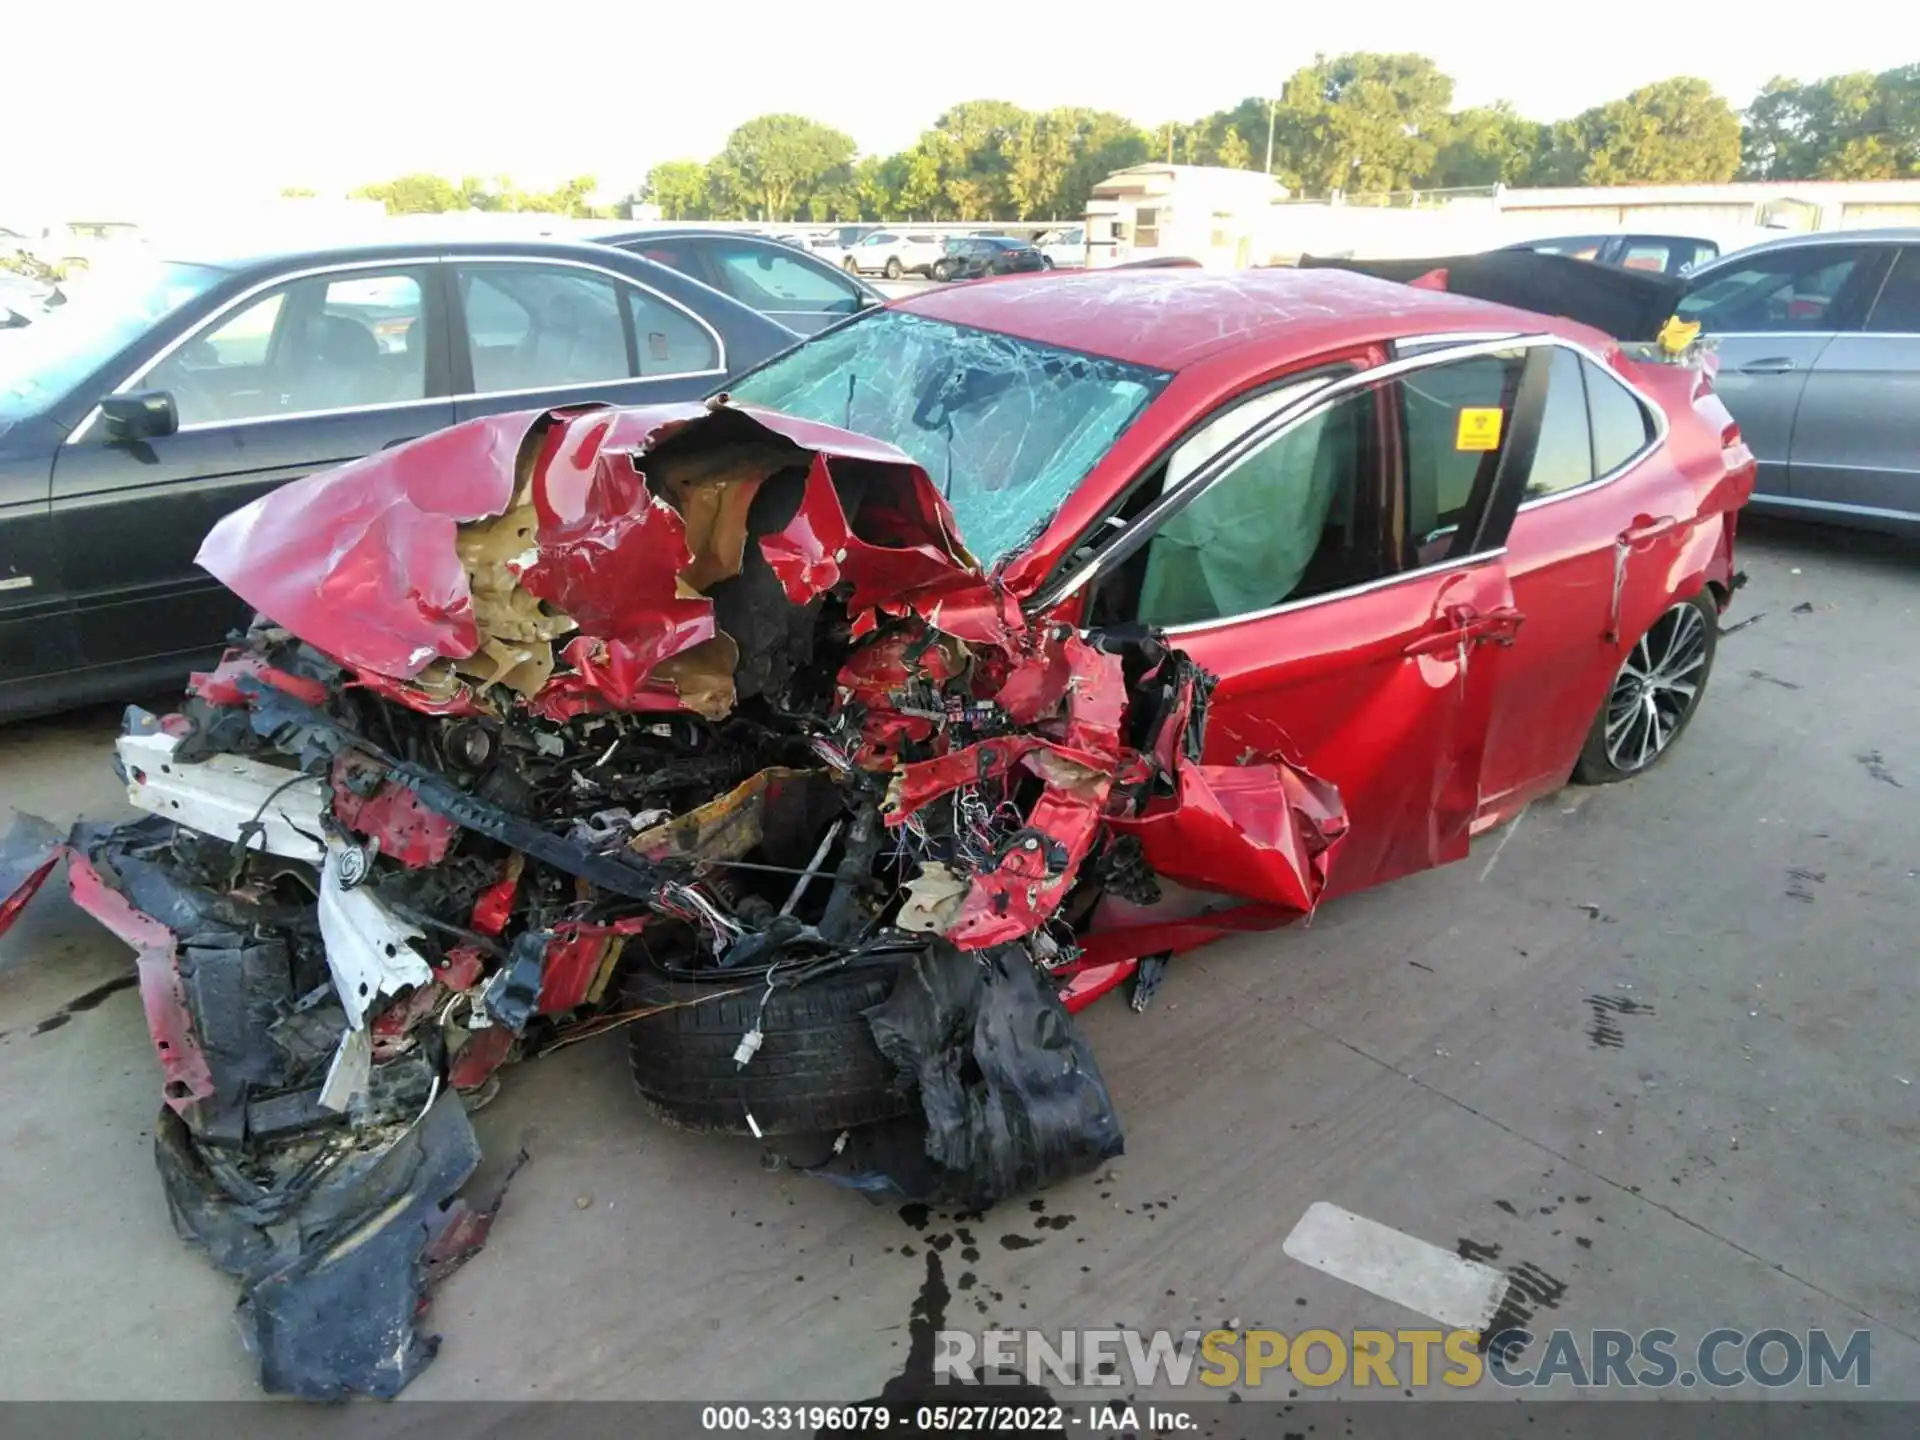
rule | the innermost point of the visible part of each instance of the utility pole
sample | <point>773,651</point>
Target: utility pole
<point>1272,104</point>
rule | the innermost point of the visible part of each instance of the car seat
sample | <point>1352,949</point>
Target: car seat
<point>339,365</point>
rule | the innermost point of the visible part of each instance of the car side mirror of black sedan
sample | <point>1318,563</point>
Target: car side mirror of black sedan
<point>141,415</point>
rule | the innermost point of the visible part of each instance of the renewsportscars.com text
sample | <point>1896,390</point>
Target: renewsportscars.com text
<point>1407,1359</point>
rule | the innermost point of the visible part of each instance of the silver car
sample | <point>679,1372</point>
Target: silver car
<point>1819,340</point>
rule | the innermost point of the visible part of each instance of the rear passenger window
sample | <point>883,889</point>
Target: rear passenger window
<point>544,327</point>
<point>1565,456</point>
<point>537,327</point>
<point>1646,255</point>
<point>668,340</point>
<point>760,276</point>
<point>1897,311</point>
<point>1621,425</point>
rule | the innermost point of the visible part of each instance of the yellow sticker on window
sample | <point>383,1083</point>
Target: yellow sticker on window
<point>1479,430</point>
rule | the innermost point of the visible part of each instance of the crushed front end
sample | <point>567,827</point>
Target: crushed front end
<point>697,721</point>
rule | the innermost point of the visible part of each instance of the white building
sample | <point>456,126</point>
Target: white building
<point>1206,213</point>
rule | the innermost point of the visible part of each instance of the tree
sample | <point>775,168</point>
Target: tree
<point>1232,151</point>
<point>1103,142</point>
<point>1040,155</point>
<point>1675,131</point>
<point>1842,127</point>
<point>679,188</point>
<point>976,157</point>
<point>877,185</point>
<point>776,162</point>
<point>1361,122</point>
<point>1773,138</point>
<point>296,192</point>
<point>413,195</point>
<point>1487,145</point>
<point>567,198</point>
<point>922,189</point>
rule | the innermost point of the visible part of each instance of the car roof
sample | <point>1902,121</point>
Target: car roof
<point>1170,319</point>
<point>1640,233</point>
<point>624,233</point>
<point>1894,234</point>
<point>263,256</point>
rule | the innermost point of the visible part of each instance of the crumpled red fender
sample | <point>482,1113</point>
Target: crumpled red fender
<point>1267,832</point>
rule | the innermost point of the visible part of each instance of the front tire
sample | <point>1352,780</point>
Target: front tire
<point>893,270</point>
<point>942,271</point>
<point>818,1068</point>
<point>1654,694</point>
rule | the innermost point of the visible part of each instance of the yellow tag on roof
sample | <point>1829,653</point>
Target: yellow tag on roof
<point>1479,430</point>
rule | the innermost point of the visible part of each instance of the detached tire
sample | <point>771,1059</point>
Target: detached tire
<point>817,1068</point>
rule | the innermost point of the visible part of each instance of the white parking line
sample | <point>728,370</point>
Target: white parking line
<point>1397,1267</point>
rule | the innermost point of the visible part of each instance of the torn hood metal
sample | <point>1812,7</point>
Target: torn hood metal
<point>462,558</point>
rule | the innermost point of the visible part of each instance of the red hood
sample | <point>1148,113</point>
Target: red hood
<point>610,524</point>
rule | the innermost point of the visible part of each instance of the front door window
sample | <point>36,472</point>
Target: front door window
<point>325,343</point>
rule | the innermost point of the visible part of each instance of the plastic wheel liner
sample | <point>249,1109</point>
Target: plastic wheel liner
<point>699,687</point>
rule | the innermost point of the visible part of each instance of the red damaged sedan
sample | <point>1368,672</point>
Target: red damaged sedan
<point>839,737</point>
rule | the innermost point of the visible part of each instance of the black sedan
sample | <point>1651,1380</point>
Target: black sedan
<point>970,256</point>
<point>1659,254</point>
<point>165,394</point>
<point>786,284</point>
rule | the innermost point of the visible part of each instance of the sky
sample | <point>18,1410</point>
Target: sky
<point>205,99</point>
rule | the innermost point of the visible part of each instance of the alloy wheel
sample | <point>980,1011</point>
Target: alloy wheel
<point>1656,688</point>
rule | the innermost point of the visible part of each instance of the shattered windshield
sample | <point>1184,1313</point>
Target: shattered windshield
<point>1006,427</point>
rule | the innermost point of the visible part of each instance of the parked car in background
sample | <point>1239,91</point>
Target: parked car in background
<point>24,299</point>
<point>894,253</point>
<point>970,256</point>
<point>832,244</point>
<point>1819,342</point>
<point>1658,254</point>
<point>786,284</point>
<point>163,395</point>
<point>1065,248</point>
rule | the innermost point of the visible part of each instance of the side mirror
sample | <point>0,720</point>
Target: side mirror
<point>141,415</point>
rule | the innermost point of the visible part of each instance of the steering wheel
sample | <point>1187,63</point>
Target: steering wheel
<point>192,400</point>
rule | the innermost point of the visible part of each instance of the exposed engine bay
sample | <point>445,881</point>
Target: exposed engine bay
<point>695,721</point>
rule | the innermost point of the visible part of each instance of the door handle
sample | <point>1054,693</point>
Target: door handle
<point>1772,365</point>
<point>1495,627</point>
<point>1647,527</point>
<point>1462,625</point>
